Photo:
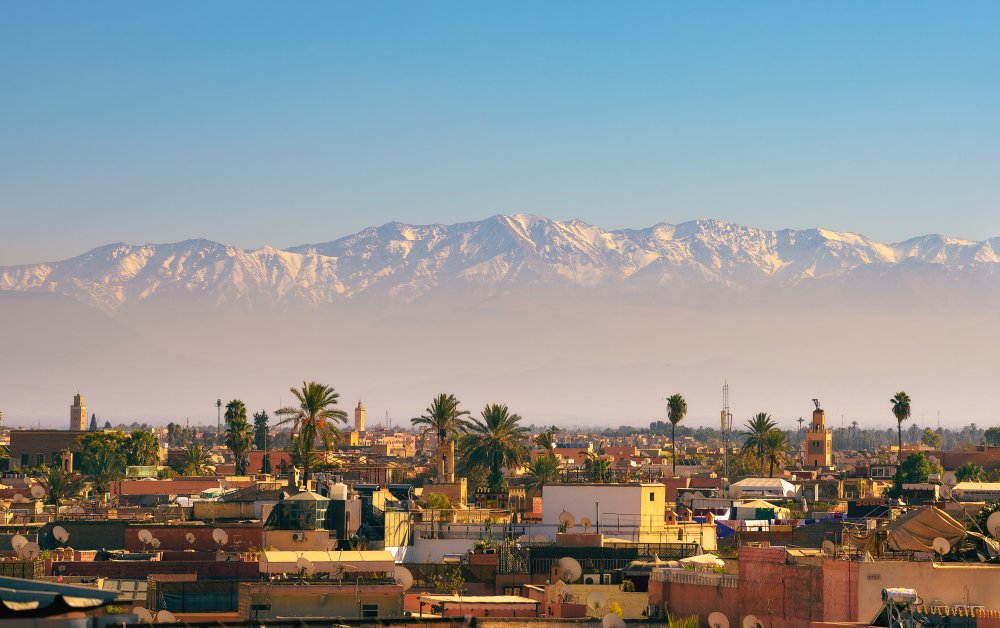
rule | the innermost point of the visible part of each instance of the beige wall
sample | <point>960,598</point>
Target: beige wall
<point>318,600</point>
<point>313,540</point>
<point>951,583</point>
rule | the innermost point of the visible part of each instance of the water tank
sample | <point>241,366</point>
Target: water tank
<point>338,491</point>
<point>899,596</point>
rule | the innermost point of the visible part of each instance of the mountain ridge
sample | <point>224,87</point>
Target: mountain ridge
<point>403,262</point>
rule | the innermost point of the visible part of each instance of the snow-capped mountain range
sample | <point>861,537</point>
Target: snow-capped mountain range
<point>405,262</point>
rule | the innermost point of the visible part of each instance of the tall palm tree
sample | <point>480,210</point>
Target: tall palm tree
<point>314,417</point>
<point>495,442</point>
<point>235,410</point>
<point>547,439</point>
<point>106,467</point>
<point>677,407</point>
<point>142,449</point>
<point>598,469</point>
<point>854,439</point>
<point>757,429</point>
<point>775,449</point>
<point>544,470</point>
<point>195,460</point>
<point>60,485</point>
<point>901,410</point>
<point>443,417</point>
<point>239,440</point>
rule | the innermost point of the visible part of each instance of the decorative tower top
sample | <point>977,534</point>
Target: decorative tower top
<point>359,417</point>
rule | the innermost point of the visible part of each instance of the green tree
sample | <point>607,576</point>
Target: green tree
<point>265,464</point>
<point>916,469</point>
<point>776,450</point>
<point>239,440</point>
<point>992,436</point>
<point>757,429</point>
<point>969,472</point>
<point>677,408</point>
<point>544,470</point>
<point>194,461</point>
<point>495,442</point>
<point>598,469</point>
<point>931,438</point>
<point>142,449</point>
<point>235,409</point>
<point>101,449</point>
<point>59,486</point>
<point>106,466</point>
<point>260,430</point>
<point>547,439</point>
<point>985,511</point>
<point>314,417</point>
<point>444,418</point>
<point>901,410</point>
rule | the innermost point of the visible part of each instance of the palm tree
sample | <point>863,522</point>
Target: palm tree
<point>776,449</point>
<point>547,439</point>
<point>969,472</point>
<point>901,410</point>
<point>106,467</point>
<point>757,429</point>
<point>495,442</point>
<point>677,407</point>
<point>59,485</point>
<point>544,470</point>
<point>235,410</point>
<point>239,440</point>
<point>314,417</point>
<point>854,440</point>
<point>598,469</point>
<point>142,449</point>
<point>443,417</point>
<point>195,460</point>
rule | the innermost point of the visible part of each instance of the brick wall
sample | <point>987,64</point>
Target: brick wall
<point>174,537</point>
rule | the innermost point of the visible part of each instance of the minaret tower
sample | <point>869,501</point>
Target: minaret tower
<point>819,440</point>
<point>359,417</point>
<point>78,414</point>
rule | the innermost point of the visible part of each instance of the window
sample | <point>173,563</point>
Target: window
<point>39,460</point>
<point>512,590</point>
<point>651,496</point>
<point>24,460</point>
<point>369,610</point>
<point>56,458</point>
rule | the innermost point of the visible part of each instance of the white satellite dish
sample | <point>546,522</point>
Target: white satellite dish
<point>569,569</point>
<point>30,551</point>
<point>38,491</point>
<point>751,621</point>
<point>612,621</point>
<point>993,524</point>
<point>567,519</point>
<point>155,543</point>
<point>403,577</point>
<point>18,541</point>
<point>60,534</point>
<point>305,566</point>
<point>586,524</point>
<point>165,617</point>
<point>597,600</point>
<point>145,536</point>
<point>829,547</point>
<point>541,538</point>
<point>220,536</point>
<point>21,499</point>
<point>941,545</point>
<point>143,615</point>
<point>189,537</point>
<point>718,620</point>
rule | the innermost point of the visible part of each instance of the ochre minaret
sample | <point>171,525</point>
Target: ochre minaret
<point>819,440</point>
<point>78,414</point>
<point>359,417</point>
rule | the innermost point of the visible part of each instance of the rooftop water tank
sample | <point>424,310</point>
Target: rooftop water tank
<point>338,491</point>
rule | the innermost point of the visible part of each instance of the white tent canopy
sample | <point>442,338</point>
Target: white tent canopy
<point>703,559</point>
<point>328,562</point>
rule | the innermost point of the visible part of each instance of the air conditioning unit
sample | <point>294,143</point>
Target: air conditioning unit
<point>605,578</point>
<point>298,536</point>
<point>592,578</point>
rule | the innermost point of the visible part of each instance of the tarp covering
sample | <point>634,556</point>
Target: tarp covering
<point>703,559</point>
<point>917,530</point>
<point>328,562</point>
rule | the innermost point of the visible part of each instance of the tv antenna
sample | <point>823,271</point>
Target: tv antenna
<point>403,577</point>
<point>993,524</point>
<point>60,534</point>
<point>597,601</point>
<point>751,621</point>
<point>569,569</point>
<point>567,519</point>
<point>941,546</point>
<point>726,426</point>
<point>145,537</point>
<point>612,621</point>
<point>143,615</point>
<point>17,542</point>
<point>38,491</point>
<point>219,536</point>
<point>165,617</point>
<point>717,619</point>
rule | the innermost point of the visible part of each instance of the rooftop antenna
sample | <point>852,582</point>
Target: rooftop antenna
<point>726,420</point>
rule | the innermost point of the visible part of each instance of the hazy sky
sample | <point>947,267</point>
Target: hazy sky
<point>284,123</point>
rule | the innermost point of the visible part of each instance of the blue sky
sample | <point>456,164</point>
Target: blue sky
<point>283,123</point>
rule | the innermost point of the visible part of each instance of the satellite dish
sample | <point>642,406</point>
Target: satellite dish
<point>30,551</point>
<point>403,577</point>
<point>586,523</point>
<point>569,569</point>
<point>60,534</point>
<point>941,545</point>
<point>305,565</point>
<point>829,547</point>
<point>751,621</point>
<point>143,615</point>
<point>541,538</point>
<point>718,620</point>
<point>38,491</point>
<point>612,621</point>
<point>190,537</point>
<point>21,499</point>
<point>155,543</point>
<point>18,541</point>
<point>597,600</point>
<point>220,536</point>
<point>567,519</point>
<point>993,524</point>
<point>165,617</point>
<point>145,536</point>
